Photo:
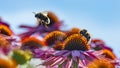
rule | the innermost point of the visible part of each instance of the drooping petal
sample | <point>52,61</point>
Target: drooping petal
<point>66,54</point>
<point>61,53</point>
<point>51,61</point>
<point>57,62</point>
<point>69,64</point>
<point>82,58</point>
<point>27,27</point>
<point>90,54</point>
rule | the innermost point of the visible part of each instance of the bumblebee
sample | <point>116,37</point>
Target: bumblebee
<point>85,34</point>
<point>42,18</point>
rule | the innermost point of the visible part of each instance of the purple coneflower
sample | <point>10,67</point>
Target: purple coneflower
<point>101,63</point>
<point>98,44</point>
<point>72,31</point>
<point>5,30</point>
<point>31,43</point>
<point>6,43</point>
<point>51,39</point>
<point>109,54</point>
<point>6,38</point>
<point>54,37</point>
<point>74,54</point>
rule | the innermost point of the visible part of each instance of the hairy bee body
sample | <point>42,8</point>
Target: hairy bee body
<point>42,19</point>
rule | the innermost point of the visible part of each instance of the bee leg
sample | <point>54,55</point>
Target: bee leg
<point>46,26</point>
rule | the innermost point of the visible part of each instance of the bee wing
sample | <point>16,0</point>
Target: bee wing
<point>34,12</point>
<point>45,13</point>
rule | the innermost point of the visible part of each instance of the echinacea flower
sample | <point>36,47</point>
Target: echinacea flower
<point>98,44</point>
<point>76,42</point>
<point>74,54</point>
<point>3,41</point>
<point>108,54</point>
<point>7,43</point>
<point>31,43</point>
<point>4,44</point>
<point>6,62</point>
<point>101,63</point>
<point>55,24</point>
<point>43,54</point>
<point>5,30</point>
<point>54,37</point>
<point>58,46</point>
<point>72,31</point>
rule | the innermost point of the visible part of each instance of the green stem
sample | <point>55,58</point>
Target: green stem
<point>60,66</point>
<point>75,64</point>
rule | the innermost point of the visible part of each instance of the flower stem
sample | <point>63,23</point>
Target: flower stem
<point>60,66</point>
<point>75,64</point>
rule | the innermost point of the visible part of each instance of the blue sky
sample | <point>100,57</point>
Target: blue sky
<point>100,17</point>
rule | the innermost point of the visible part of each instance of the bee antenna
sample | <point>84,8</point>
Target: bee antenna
<point>33,12</point>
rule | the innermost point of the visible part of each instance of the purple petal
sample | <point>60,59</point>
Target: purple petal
<point>60,53</point>
<point>50,67</point>
<point>82,57</point>
<point>57,62</point>
<point>50,61</point>
<point>69,64</point>
<point>115,62</point>
<point>64,59</point>
<point>25,26</point>
<point>88,58</point>
<point>97,53</point>
<point>42,54</point>
<point>4,50</point>
<point>66,54</point>
<point>108,48</point>
<point>30,32</point>
<point>91,55</point>
<point>75,53</point>
<point>4,23</point>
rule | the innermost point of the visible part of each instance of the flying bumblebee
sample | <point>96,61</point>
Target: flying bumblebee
<point>42,18</point>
